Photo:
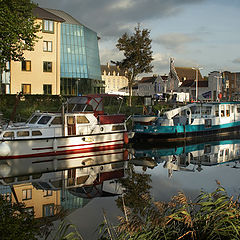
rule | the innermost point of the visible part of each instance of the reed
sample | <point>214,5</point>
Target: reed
<point>210,216</point>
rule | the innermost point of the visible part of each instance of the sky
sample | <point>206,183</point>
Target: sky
<point>196,33</point>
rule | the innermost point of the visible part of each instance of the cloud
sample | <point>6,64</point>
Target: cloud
<point>175,41</point>
<point>237,60</point>
<point>108,17</point>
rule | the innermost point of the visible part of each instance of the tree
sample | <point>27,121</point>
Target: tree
<point>17,30</point>
<point>16,222</point>
<point>138,55</point>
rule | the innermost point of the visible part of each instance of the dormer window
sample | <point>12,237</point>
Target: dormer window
<point>48,26</point>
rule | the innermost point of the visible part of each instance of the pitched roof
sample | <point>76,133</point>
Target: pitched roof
<point>192,83</point>
<point>111,68</point>
<point>41,13</point>
<point>164,77</point>
<point>148,79</point>
<point>67,18</point>
<point>185,73</point>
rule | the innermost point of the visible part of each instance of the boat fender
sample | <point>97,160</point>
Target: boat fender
<point>125,155</point>
<point>4,149</point>
<point>125,138</point>
<point>4,170</point>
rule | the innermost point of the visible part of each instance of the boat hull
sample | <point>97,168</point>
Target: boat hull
<point>61,146</point>
<point>174,135</point>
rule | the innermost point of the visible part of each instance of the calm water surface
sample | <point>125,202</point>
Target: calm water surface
<point>163,170</point>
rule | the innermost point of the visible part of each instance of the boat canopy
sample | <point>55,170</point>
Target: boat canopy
<point>171,113</point>
<point>95,102</point>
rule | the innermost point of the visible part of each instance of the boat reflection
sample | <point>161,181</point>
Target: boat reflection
<point>191,158</point>
<point>56,190</point>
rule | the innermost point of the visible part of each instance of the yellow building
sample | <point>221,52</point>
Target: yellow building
<point>43,203</point>
<point>115,80</point>
<point>40,72</point>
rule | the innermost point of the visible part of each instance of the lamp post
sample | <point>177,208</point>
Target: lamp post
<point>196,69</point>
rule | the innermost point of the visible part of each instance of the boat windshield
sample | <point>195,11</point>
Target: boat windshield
<point>34,119</point>
<point>44,119</point>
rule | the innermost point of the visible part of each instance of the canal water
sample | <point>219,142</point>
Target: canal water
<point>84,196</point>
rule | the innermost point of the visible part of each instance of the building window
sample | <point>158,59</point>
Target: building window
<point>26,194</point>
<point>26,65</point>
<point>47,46</point>
<point>48,26</point>
<point>47,89</point>
<point>48,210</point>
<point>47,193</point>
<point>26,88</point>
<point>47,66</point>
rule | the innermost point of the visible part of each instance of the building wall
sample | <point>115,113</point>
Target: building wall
<point>114,80</point>
<point>80,64</point>
<point>151,88</point>
<point>36,77</point>
<point>38,198</point>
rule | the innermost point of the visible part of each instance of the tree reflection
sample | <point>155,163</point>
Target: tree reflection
<point>136,191</point>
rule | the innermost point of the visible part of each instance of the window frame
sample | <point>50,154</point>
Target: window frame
<point>24,65</point>
<point>47,69</point>
<point>46,25</point>
<point>25,85</point>
<point>49,46</point>
<point>47,89</point>
<point>26,194</point>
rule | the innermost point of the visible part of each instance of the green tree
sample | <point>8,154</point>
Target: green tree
<point>17,30</point>
<point>15,222</point>
<point>138,55</point>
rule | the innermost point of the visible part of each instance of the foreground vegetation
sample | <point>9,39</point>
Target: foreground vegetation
<point>210,216</point>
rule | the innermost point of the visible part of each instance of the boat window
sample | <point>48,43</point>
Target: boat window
<point>232,109</point>
<point>8,134</point>
<point>57,121</point>
<point>23,133</point>
<point>206,111</point>
<point>217,111</point>
<point>238,109</point>
<point>44,120</point>
<point>36,133</point>
<point>227,110</point>
<point>82,119</point>
<point>9,179</point>
<point>118,127</point>
<point>22,178</point>
<point>34,119</point>
<point>222,111</point>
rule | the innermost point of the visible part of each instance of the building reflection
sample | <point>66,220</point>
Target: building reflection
<point>56,193</point>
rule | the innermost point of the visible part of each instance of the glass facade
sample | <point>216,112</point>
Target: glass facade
<point>80,64</point>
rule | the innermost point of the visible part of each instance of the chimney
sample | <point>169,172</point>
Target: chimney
<point>108,65</point>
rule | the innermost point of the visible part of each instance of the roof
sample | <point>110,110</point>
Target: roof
<point>148,79</point>
<point>192,83</point>
<point>67,18</point>
<point>185,73</point>
<point>111,68</point>
<point>41,13</point>
<point>165,77</point>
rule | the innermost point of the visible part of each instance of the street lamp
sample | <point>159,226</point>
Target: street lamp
<point>196,69</point>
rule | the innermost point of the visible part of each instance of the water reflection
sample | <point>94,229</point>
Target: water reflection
<point>190,158</point>
<point>55,188</point>
<point>58,190</point>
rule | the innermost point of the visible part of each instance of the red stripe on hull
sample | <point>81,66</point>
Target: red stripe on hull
<point>85,156</point>
<point>79,145</point>
<point>72,151</point>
